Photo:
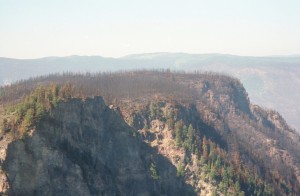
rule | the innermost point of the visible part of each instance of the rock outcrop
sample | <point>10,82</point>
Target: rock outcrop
<point>85,148</point>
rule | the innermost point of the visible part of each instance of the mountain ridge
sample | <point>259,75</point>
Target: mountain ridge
<point>215,107</point>
<point>270,81</point>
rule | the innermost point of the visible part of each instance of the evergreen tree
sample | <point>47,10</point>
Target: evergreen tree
<point>28,120</point>
<point>40,110</point>
<point>180,170</point>
<point>212,151</point>
<point>204,150</point>
<point>237,186</point>
<point>190,138</point>
<point>178,133</point>
<point>152,111</point>
<point>213,173</point>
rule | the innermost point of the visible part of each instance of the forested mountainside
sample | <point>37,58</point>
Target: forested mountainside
<point>272,82</point>
<point>158,133</point>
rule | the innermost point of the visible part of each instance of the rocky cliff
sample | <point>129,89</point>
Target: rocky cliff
<point>85,148</point>
<point>164,133</point>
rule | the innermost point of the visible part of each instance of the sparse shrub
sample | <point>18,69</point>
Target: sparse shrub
<point>180,170</point>
<point>153,171</point>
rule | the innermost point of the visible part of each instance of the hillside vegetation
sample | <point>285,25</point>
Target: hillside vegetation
<point>202,123</point>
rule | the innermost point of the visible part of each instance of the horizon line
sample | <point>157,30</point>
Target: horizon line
<point>156,53</point>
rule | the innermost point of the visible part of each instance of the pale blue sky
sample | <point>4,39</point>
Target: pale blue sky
<point>38,28</point>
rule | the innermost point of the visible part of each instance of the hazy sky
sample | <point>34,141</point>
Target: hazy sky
<point>38,28</point>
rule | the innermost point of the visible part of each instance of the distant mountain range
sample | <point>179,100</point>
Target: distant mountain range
<point>272,82</point>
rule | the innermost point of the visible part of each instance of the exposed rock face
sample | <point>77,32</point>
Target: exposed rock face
<point>85,148</point>
<point>224,113</point>
<point>261,135</point>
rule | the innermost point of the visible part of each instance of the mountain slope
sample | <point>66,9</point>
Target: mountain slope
<point>84,148</point>
<point>199,128</point>
<point>270,81</point>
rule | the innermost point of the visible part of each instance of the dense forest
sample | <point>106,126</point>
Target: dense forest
<point>205,117</point>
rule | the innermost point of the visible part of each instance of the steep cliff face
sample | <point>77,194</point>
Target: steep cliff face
<point>283,142</point>
<point>251,136</point>
<point>85,148</point>
<point>260,135</point>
